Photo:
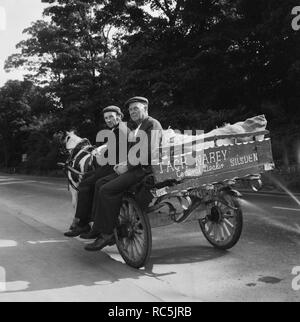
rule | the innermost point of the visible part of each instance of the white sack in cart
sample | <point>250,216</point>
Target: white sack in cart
<point>251,125</point>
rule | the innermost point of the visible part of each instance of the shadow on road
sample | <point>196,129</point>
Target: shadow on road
<point>184,255</point>
<point>52,266</point>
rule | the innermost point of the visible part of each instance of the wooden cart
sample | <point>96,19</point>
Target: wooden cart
<point>201,192</point>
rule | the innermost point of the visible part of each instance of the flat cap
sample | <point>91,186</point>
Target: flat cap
<point>113,108</point>
<point>137,99</point>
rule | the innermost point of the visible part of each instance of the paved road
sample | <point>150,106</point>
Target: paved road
<point>38,263</point>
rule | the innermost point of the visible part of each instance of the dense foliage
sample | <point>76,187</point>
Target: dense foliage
<point>200,62</point>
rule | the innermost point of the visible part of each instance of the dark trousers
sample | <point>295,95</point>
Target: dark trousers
<point>110,191</point>
<point>86,189</point>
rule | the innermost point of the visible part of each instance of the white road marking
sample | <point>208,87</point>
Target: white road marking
<point>8,179</point>
<point>7,243</point>
<point>251,194</point>
<point>52,183</point>
<point>284,208</point>
<point>61,186</point>
<point>46,241</point>
<point>3,18</point>
<point>14,182</point>
<point>16,286</point>
<point>47,183</point>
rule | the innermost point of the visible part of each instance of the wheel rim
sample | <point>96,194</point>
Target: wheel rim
<point>131,234</point>
<point>220,223</point>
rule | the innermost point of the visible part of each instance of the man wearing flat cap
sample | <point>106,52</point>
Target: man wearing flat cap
<point>113,187</point>
<point>87,187</point>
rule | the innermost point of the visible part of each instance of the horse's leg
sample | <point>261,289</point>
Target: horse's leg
<point>74,195</point>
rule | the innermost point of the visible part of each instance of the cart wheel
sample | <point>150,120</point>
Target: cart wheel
<point>223,225</point>
<point>133,234</point>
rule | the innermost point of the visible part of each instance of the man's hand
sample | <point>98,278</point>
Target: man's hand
<point>121,168</point>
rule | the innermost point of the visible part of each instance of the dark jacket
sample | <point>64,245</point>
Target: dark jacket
<point>121,132</point>
<point>148,141</point>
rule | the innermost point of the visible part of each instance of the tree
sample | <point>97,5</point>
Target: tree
<point>14,115</point>
<point>75,60</point>
<point>200,62</point>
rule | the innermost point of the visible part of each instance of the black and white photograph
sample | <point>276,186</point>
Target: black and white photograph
<point>149,153</point>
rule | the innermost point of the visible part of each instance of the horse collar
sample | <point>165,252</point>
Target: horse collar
<point>79,146</point>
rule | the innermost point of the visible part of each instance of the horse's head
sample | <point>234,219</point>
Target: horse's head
<point>71,140</point>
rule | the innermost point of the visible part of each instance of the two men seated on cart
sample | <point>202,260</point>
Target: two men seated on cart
<point>85,210</point>
<point>109,185</point>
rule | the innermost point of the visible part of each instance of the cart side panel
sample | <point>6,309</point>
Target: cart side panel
<point>218,163</point>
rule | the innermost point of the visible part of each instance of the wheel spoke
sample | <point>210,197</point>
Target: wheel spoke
<point>222,232</point>
<point>132,212</point>
<point>138,246</point>
<point>128,248</point>
<point>209,230</point>
<point>130,207</point>
<point>122,215</point>
<point>133,250</point>
<point>216,233</point>
<point>228,223</point>
<point>140,238</point>
<point>126,243</point>
<point>226,229</point>
<point>125,207</point>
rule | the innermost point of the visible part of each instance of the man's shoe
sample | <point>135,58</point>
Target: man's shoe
<point>76,231</point>
<point>100,243</point>
<point>90,235</point>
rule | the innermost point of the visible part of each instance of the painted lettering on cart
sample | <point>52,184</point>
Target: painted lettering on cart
<point>243,160</point>
<point>204,162</point>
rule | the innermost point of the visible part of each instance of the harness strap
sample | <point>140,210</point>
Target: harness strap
<point>83,147</point>
<point>65,171</point>
<point>74,170</point>
<point>84,143</point>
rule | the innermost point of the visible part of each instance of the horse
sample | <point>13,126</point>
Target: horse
<point>82,159</point>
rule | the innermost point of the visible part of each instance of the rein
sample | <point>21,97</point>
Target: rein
<point>67,168</point>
